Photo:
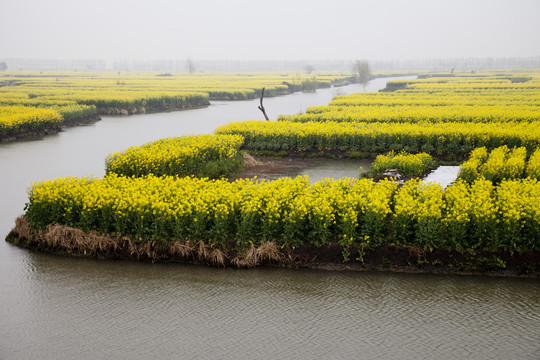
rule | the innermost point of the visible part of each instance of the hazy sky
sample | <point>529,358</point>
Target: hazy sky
<point>271,29</point>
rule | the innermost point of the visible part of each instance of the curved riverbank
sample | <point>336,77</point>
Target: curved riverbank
<point>152,109</point>
<point>130,106</point>
<point>68,241</point>
<point>38,132</point>
<point>29,134</point>
<point>87,308</point>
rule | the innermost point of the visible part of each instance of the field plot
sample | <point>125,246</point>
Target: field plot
<point>81,97</point>
<point>445,116</point>
<point>484,221</point>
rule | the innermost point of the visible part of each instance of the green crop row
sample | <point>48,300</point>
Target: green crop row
<point>406,164</point>
<point>500,164</point>
<point>291,212</point>
<point>18,119</point>
<point>199,155</point>
<point>447,139</point>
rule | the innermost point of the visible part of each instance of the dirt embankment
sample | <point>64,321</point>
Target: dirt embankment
<point>150,109</point>
<point>270,168</point>
<point>28,134</point>
<point>64,240</point>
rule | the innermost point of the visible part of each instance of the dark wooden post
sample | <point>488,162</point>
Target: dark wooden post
<point>261,107</point>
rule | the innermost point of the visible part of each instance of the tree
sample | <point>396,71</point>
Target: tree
<point>309,69</point>
<point>190,66</point>
<point>3,66</point>
<point>310,85</point>
<point>362,72</point>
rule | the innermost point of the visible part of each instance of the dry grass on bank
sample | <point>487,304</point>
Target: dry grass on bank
<point>74,241</point>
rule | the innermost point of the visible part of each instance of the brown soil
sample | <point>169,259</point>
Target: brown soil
<point>30,134</point>
<point>272,168</point>
<point>411,259</point>
<point>81,121</point>
<point>64,240</point>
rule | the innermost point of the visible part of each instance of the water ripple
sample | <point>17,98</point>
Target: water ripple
<point>93,309</point>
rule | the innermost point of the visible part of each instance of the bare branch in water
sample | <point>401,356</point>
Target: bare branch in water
<point>261,107</point>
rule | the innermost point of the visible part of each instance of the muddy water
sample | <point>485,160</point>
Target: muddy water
<point>336,169</point>
<point>63,308</point>
<point>314,169</point>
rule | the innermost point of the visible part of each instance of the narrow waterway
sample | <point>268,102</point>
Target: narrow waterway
<point>67,308</point>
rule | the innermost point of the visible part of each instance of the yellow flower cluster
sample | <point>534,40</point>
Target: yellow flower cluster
<point>533,165</point>
<point>438,98</point>
<point>148,90</point>
<point>501,163</point>
<point>469,170</point>
<point>418,212</point>
<point>473,214</point>
<point>448,98</point>
<point>14,119</point>
<point>75,111</point>
<point>448,116</point>
<point>79,95</point>
<point>462,81</point>
<point>419,113</point>
<point>407,164</point>
<point>67,108</point>
<point>502,214</point>
<point>134,101</point>
<point>437,138</point>
<point>291,212</point>
<point>519,214</point>
<point>178,156</point>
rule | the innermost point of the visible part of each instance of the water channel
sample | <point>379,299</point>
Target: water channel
<point>67,308</point>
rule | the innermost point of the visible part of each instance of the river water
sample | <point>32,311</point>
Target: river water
<point>64,308</point>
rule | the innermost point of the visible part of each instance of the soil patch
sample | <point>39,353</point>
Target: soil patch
<point>81,121</point>
<point>272,168</point>
<point>29,134</point>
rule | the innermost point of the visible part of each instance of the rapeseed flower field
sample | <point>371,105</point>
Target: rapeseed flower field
<point>492,119</point>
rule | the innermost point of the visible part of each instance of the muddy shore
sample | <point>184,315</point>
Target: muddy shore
<point>66,241</point>
<point>270,168</point>
<point>29,134</point>
<point>151,110</point>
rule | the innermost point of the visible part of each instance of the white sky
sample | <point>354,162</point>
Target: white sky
<point>268,30</point>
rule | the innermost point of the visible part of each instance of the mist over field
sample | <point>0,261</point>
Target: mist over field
<point>211,30</point>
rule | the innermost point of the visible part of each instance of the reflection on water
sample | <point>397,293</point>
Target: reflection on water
<point>336,169</point>
<point>315,169</point>
<point>443,175</point>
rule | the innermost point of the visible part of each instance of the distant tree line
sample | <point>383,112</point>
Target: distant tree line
<point>307,66</point>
